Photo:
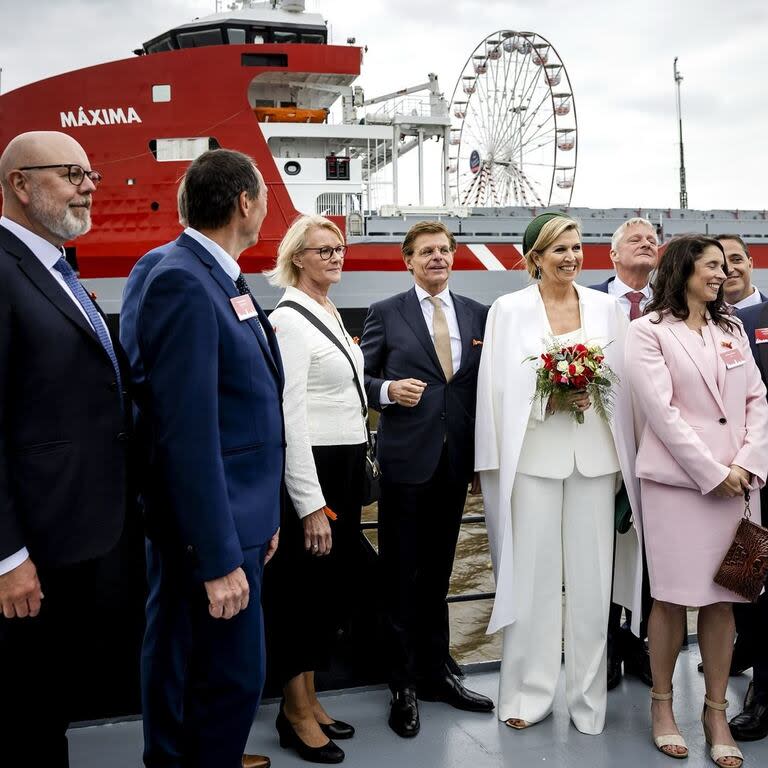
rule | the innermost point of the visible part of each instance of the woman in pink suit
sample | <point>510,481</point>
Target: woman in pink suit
<point>703,441</point>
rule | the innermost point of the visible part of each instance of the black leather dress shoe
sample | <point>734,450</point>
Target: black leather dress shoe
<point>751,724</point>
<point>404,713</point>
<point>338,729</point>
<point>449,689</point>
<point>638,664</point>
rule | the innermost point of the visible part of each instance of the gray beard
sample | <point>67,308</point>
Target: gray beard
<point>65,224</point>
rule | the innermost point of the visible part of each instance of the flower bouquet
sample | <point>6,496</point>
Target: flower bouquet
<point>564,370</point>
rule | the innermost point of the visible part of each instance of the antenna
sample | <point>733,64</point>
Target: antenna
<point>683,188</point>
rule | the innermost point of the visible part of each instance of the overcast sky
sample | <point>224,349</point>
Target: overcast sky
<point>618,55</point>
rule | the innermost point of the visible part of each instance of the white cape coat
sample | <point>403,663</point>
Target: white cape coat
<point>516,328</point>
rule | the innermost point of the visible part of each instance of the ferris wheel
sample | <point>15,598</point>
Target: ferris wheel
<point>513,138</point>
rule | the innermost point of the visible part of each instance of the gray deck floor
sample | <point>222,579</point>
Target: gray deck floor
<point>451,738</point>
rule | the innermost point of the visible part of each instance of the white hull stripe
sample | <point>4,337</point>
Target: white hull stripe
<point>486,258</point>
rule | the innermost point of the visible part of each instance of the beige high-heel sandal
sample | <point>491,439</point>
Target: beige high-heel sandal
<point>719,751</point>
<point>670,739</point>
<point>517,723</point>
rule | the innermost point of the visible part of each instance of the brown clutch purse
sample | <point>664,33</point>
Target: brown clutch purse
<point>745,566</point>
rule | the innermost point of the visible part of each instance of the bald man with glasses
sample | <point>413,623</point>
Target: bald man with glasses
<point>63,445</point>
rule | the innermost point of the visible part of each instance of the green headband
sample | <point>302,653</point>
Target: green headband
<point>533,230</point>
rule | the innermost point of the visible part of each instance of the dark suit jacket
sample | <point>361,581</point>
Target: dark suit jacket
<point>212,395</point>
<point>396,345</point>
<point>603,287</point>
<point>63,433</point>
<point>753,318</point>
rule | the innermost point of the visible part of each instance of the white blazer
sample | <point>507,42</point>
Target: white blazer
<point>516,328</point>
<point>321,403</point>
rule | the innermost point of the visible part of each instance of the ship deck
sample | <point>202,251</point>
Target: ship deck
<point>452,738</point>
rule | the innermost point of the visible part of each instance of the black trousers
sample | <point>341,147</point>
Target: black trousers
<point>619,639</point>
<point>418,529</point>
<point>307,599</point>
<point>61,665</point>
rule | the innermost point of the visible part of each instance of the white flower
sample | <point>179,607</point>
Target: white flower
<point>562,366</point>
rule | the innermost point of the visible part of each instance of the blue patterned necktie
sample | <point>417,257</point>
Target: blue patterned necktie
<point>74,285</point>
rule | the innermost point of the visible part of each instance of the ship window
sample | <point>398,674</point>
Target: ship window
<point>161,93</point>
<point>292,168</point>
<point>170,150</point>
<point>199,38</point>
<point>164,44</point>
<point>312,38</point>
<point>236,36</point>
<point>279,36</point>
<point>337,168</point>
<point>264,60</point>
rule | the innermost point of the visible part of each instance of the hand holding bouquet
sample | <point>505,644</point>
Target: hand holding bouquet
<point>564,371</point>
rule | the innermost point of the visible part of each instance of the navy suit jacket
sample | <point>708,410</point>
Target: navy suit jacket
<point>212,401</point>
<point>63,433</point>
<point>603,287</point>
<point>753,318</point>
<point>396,345</point>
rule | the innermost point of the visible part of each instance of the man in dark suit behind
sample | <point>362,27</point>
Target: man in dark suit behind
<point>211,404</point>
<point>63,444</point>
<point>635,254</point>
<point>422,350</point>
<point>752,620</point>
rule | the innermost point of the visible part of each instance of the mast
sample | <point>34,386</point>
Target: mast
<point>683,188</point>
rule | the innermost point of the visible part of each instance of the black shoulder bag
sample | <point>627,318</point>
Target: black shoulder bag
<point>372,469</point>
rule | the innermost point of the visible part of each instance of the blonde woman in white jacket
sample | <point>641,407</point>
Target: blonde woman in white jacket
<point>549,487</point>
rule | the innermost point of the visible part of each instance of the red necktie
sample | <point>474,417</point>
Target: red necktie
<point>634,298</point>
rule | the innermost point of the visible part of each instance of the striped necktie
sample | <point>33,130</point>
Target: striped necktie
<point>74,285</point>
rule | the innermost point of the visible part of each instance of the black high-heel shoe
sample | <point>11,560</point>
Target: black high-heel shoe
<point>328,753</point>
<point>338,729</point>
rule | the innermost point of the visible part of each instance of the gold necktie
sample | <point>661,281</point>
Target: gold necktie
<point>442,337</point>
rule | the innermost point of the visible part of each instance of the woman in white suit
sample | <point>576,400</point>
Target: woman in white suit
<point>549,487</point>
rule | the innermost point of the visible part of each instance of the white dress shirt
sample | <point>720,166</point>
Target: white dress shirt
<point>750,301</point>
<point>618,289</point>
<point>321,403</point>
<point>48,254</point>
<point>428,310</point>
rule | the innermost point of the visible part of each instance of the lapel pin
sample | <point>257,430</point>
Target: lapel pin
<point>728,344</point>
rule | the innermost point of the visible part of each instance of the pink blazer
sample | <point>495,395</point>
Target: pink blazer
<point>694,424</point>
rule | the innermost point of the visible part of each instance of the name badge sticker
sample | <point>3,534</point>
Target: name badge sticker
<point>243,306</point>
<point>732,358</point>
<point>761,335</point>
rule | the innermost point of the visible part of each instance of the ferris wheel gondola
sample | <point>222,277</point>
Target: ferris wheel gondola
<point>514,137</point>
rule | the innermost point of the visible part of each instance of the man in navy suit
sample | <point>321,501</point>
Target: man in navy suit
<point>422,350</point>
<point>635,254</point>
<point>63,446</point>
<point>751,723</point>
<point>738,289</point>
<point>211,405</point>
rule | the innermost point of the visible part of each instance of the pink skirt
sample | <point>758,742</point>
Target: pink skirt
<point>686,537</point>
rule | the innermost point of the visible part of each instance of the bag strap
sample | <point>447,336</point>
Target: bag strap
<point>323,328</point>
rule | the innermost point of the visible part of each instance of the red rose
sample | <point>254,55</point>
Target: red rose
<point>571,370</point>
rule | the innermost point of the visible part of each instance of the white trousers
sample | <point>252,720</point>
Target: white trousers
<point>563,532</point>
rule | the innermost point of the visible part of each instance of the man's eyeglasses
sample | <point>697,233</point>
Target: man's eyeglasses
<point>444,251</point>
<point>326,251</point>
<point>75,173</point>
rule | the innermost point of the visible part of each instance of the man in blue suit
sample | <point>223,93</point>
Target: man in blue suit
<point>751,723</point>
<point>635,254</point>
<point>210,400</point>
<point>422,351</point>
